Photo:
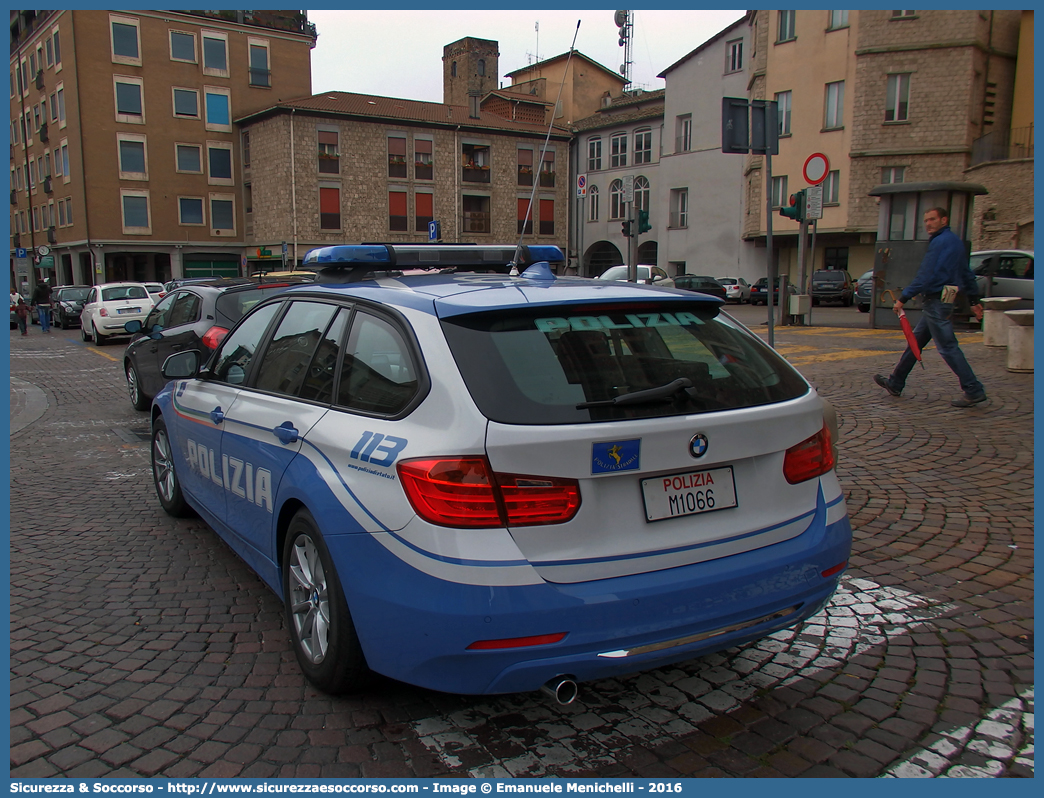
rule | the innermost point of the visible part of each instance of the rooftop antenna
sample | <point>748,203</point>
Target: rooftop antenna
<point>535,57</point>
<point>625,22</point>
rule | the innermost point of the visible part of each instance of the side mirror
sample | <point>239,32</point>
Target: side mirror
<point>181,366</point>
<point>133,326</point>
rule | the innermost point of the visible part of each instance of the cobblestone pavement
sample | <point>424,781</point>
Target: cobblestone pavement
<point>141,646</point>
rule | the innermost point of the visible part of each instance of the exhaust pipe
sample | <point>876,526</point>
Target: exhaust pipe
<point>562,688</point>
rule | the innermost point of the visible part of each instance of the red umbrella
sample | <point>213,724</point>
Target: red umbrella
<point>904,322</point>
<point>911,341</point>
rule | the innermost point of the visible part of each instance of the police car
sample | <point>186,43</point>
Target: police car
<point>484,483</point>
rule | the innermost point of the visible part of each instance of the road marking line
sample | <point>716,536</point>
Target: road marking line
<point>110,357</point>
<point>842,354</point>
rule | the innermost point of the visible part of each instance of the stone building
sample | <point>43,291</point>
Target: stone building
<point>341,168</point>
<point>887,96</point>
<point>124,155</point>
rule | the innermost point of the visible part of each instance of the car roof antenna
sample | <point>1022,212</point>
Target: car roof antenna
<point>547,141</point>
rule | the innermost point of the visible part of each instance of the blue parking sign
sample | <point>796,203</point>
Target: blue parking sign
<point>20,252</point>
<point>434,230</point>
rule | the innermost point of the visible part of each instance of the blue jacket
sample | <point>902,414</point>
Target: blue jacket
<point>945,263</point>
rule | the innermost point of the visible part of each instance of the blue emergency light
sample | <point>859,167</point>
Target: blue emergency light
<point>462,257</point>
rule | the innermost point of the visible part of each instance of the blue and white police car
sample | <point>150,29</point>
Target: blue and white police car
<point>484,483</point>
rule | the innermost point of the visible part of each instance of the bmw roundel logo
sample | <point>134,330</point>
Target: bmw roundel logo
<point>698,445</point>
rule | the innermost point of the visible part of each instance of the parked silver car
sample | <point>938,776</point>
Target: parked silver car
<point>736,289</point>
<point>1005,272</point>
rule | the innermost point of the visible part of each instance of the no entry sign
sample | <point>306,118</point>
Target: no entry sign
<point>816,168</point>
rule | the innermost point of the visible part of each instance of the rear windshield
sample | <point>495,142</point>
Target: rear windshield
<point>124,292</point>
<point>540,366</point>
<point>829,277</point>
<point>78,294</point>
<point>233,305</point>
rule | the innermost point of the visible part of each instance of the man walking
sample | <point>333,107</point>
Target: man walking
<point>945,264</point>
<point>42,302</point>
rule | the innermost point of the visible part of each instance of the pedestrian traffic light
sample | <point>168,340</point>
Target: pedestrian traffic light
<point>625,228</point>
<point>643,222</point>
<point>796,209</point>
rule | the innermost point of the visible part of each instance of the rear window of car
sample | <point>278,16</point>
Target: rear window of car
<point>74,294</point>
<point>233,305</point>
<point>829,277</point>
<point>540,366</point>
<point>124,292</point>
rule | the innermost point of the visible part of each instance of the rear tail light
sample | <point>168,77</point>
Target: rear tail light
<point>810,458</point>
<point>213,337</point>
<point>517,642</point>
<point>103,312</point>
<point>464,492</point>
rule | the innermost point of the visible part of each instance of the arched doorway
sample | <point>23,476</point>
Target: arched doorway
<point>647,252</point>
<point>600,256</point>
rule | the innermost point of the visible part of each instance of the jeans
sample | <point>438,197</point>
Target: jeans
<point>45,317</point>
<point>21,325</point>
<point>936,324</point>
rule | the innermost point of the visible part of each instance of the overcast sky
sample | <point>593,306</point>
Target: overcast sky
<point>399,53</point>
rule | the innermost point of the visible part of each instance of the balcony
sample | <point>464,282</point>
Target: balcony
<point>547,180</point>
<point>293,21</point>
<point>40,79</point>
<point>1003,145</point>
<point>14,197</point>
<point>260,77</point>
<point>476,222</point>
<point>52,237</point>
<point>475,174</point>
<point>43,132</point>
<point>47,185</point>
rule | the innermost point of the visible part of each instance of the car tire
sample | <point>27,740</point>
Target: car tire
<point>138,399</point>
<point>164,477</point>
<point>84,335</point>
<point>56,320</point>
<point>324,637</point>
<point>99,339</point>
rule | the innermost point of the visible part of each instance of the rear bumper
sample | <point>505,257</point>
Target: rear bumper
<point>417,628</point>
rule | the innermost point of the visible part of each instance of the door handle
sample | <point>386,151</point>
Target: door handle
<point>176,347</point>
<point>286,432</point>
<point>216,415</point>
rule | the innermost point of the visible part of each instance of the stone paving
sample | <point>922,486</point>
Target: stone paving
<point>141,646</point>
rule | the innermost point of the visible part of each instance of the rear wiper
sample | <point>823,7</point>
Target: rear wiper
<point>649,395</point>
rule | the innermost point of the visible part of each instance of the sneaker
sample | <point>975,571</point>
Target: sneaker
<point>964,400</point>
<point>884,383</point>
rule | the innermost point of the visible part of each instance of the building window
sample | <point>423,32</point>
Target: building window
<point>785,32</point>
<point>780,195</point>
<point>215,53</point>
<point>61,106</point>
<point>36,218</point>
<point>61,214</point>
<point>425,211</point>
<point>124,36</point>
<point>219,117</point>
<point>897,103</point>
<point>329,154</point>
<point>680,207</point>
<point>832,188</point>
<point>593,201</point>
<point>734,56</point>
<point>136,216</point>
<point>641,193</point>
<point>133,157</point>
<point>54,107</point>
<point>186,103</point>
<point>903,14</point>
<point>66,176</point>
<point>476,214</point>
<point>476,162</point>
<point>683,133</point>
<point>547,170</point>
<point>222,214</point>
<point>189,158</point>
<point>835,258</point>
<point>594,154</point>
<point>783,100</point>
<point>838,19</point>
<point>260,74</point>
<point>190,211</point>
<point>525,167</point>
<point>616,203</point>
<point>643,146</point>
<point>329,208</point>
<point>245,146</point>
<point>397,157</point>
<point>182,47</point>
<point>453,69</point>
<point>398,214</point>
<point>834,105</point>
<point>618,150</point>
<point>57,50</point>
<point>893,174</point>
<point>129,107</point>
<point>49,48</point>
<point>219,163</point>
<point>481,67</point>
<point>423,160</point>
<point>547,217</point>
<point>525,217</point>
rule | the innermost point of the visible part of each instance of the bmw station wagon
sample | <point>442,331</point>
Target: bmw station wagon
<point>484,483</point>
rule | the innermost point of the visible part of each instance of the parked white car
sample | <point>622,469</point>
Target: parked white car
<point>109,306</point>
<point>1005,272</point>
<point>736,289</point>
<point>650,275</point>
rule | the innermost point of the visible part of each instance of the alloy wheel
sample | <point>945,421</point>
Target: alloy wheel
<point>309,599</point>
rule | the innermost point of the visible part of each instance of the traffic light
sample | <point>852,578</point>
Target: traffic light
<point>796,209</point>
<point>625,228</point>
<point>643,222</point>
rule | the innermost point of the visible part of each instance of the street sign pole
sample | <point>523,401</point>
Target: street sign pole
<point>771,266</point>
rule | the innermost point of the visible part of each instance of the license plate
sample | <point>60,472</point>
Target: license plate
<point>129,310</point>
<point>689,493</point>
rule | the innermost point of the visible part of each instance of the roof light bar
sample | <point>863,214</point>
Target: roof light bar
<point>462,256</point>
